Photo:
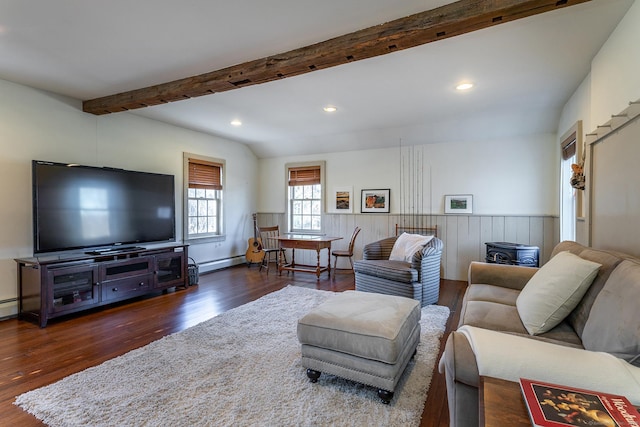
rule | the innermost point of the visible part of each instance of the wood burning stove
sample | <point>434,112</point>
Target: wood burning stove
<point>512,253</point>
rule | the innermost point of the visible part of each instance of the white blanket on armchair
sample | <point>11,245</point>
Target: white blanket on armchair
<point>511,357</point>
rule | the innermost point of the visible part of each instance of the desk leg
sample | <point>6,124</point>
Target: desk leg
<point>329,259</point>
<point>318,264</point>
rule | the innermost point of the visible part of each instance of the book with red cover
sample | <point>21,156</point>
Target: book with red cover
<point>554,405</point>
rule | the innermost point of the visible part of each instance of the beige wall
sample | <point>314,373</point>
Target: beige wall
<point>39,125</point>
<point>517,176</point>
<point>513,183</point>
<point>613,81</point>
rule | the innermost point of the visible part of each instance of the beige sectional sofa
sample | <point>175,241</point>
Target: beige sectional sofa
<point>596,346</point>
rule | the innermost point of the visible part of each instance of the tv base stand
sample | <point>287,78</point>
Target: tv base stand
<point>53,286</point>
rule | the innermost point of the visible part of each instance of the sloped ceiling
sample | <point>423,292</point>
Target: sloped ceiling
<point>524,71</point>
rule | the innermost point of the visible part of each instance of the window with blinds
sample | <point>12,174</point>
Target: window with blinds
<point>203,196</point>
<point>570,147</point>
<point>305,198</point>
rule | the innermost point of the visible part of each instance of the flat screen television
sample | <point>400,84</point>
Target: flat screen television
<point>83,207</point>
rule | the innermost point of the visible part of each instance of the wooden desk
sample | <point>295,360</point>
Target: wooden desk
<point>305,241</point>
<point>502,404</point>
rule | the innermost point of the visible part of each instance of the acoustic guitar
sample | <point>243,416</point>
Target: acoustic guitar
<point>255,252</point>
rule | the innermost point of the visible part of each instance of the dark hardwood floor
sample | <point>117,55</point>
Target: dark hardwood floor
<point>31,357</point>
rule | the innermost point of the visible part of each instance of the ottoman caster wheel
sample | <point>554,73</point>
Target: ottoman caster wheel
<point>313,375</point>
<point>385,396</point>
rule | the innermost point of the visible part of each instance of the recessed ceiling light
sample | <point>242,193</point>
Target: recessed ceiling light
<point>464,86</point>
<point>236,122</point>
<point>330,109</point>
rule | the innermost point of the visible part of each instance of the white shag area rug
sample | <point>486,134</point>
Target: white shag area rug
<point>241,368</point>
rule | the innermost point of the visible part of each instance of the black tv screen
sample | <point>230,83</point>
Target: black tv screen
<point>80,207</point>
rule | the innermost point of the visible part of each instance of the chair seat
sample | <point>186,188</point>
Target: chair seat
<point>341,253</point>
<point>398,271</point>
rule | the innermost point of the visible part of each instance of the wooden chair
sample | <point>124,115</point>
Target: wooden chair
<point>270,245</point>
<point>346,253</point>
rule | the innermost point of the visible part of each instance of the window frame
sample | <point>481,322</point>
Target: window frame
<point>203,237</point>
<point>571,200</point>
<point>288,167</point>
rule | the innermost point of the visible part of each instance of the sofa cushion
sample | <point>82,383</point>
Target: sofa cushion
<point>614,322</point>
<point>554,290</point>
<point>492,315</point>
<point>406,245</point>
<point>482,292</point>
<point>494,307</point>
<point>398,271</point>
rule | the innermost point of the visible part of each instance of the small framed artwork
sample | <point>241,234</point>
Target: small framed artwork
<point>458,204</point>
<point>375,201</point>
<point>342,200</point>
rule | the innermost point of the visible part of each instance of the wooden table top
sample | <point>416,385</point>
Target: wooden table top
<point>502,404</point>
<point>305,237</point>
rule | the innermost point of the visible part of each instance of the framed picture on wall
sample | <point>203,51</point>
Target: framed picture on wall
<point>458,204</point>
<point>374,201</point>
<point>341,200</point>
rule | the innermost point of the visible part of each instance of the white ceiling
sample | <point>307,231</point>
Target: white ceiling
<point>524,71</point>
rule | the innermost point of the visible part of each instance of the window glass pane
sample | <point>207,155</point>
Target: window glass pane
<point>211,226</point>
<point>191,192</point>
<point>317,193</point>
<point>202,207</point>
<point>315,207</point>
<point>297,207</point>
<point>297,222</point>
<point>306,207</point>
<point>211,208</point>
<point>202,224</point>
<point>298,192</point>
<point>193,225</point>
<point>200,193</point>
<point>308,191</point>
<point>315,224</point>
<point>193,208</point>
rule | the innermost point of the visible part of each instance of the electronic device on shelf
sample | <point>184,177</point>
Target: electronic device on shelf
<point>85,207</point>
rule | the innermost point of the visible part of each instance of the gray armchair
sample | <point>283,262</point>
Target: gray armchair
<point>419,279</point>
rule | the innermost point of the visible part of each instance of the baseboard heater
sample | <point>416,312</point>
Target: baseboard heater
<point>208,266</point>
<point>8,308</point>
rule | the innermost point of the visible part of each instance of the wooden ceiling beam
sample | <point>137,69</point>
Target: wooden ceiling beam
<point>450,20</point>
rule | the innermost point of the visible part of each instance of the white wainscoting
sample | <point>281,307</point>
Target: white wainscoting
<point>464,236</point>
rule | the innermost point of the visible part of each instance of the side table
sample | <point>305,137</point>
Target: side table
<point>502,404</point>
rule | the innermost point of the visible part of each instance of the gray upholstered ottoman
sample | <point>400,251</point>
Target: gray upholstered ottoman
<point>365,337</point>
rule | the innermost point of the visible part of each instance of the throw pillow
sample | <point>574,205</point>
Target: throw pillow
<point>613,325</point>
<point>407,245</point>
<point>554,290</point>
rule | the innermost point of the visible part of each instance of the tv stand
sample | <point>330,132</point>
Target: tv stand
<point>54,286</point>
